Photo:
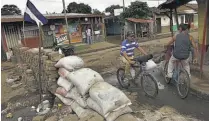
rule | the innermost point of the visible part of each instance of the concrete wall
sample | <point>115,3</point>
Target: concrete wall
<point>165,21</point>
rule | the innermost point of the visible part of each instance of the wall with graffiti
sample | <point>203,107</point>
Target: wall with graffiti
<point>74,30</point>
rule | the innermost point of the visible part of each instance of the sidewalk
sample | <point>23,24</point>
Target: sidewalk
<point>113,43</point>
<point>200,86</point>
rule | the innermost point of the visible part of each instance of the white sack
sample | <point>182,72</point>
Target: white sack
<point>63,72</point>
<point>81,113</point>
<point>114,115</point>
<point>70,63</point>
<point>83,79</point>
<point>61,91</point>
<point>66,101</point>
<point>108,97</point>
<point>150,65</point>
<point>110,116</point>
<point>73,94</point>
<point>67,85</point>
<point>93,105</point>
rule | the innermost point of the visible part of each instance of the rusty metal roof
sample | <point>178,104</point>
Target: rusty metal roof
<point>19,18</point>
<point>171,4</point>
<point>137,20</point>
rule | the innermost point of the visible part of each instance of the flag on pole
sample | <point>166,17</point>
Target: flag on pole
<point>33,15</point>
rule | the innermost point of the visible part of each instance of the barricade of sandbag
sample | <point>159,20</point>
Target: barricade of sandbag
<point>86,91</point>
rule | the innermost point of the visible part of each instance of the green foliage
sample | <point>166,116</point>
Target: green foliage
<point>78,8</point>
<point>137,9</point>
<point>96,11</point>
<point>10,10</point>
<point>111,8</point>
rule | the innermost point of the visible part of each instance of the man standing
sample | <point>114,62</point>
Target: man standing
<point>88,33</point>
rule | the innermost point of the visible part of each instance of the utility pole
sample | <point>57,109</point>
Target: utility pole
<point>68,33</point>
<point>124,33</point>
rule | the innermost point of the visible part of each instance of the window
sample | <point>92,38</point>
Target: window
<point>189,18</point>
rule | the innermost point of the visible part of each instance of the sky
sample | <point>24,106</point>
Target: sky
<point>56,5</point>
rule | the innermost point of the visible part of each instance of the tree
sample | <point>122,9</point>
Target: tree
<point>111,8</point>
<point>96,11</point>
<point>137,9</point>
<point>10,10</point>
<point>78,8</point>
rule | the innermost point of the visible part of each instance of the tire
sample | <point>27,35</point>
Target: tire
<point>186,81</point>
<point>120,77</point>
<point>150,80</point>
<point>165,71</point>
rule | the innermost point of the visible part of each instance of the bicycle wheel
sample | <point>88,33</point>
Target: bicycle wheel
<point>120,77</point>
<point>183,83</point>
<point>165,71</point>
<point>149,85</point>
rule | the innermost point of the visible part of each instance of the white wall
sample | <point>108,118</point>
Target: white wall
<point>165,21</point>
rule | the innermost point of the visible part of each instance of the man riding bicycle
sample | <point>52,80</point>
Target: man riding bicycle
<point>127,53</point>
<point>182,48</point>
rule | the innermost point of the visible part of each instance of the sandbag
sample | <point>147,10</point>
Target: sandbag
<point>93,105</point>
<point>114,115</point>
<point>83,79</point>
<point>81,112</point>
<point>70,63</point>
<point>61,91</point>
<point>63,72</point>
<point>110,116</point>
<point>67,85</point>
<point>73,94</point>
<point>66,101</point>
<point>108,97</point>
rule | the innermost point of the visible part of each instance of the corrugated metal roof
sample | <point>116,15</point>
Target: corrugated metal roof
<point>18,18</point>
<point>171,4</point>
<point>136,20</point>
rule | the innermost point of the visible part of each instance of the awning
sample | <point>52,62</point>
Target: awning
<point>171,4</point>
<point>136,20</point>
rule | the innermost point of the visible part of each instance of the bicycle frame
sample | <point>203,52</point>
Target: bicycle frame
<point>176,71</point>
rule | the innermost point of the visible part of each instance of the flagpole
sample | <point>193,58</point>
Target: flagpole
<point>39,76</point>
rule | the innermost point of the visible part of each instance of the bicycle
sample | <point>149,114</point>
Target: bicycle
<point>139,70</point>
<point>178,73</point>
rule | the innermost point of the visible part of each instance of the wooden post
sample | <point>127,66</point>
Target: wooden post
<point>176,16</point>
<point>135,30</point>
<point>68,33</point>
<point>39,76</point>
<point>92,30</point>
<point>203,49</point>
<point>171,22</point>
<point>24,33</point>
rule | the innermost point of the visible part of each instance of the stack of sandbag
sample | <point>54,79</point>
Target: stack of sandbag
<point>85,90</point>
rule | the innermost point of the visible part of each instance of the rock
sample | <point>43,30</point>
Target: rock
<point>14,86</point>
<point>65,110</point>
<point>52,118</point>
<point>126,117</point>
<point>70,117</point>
<point>39,118</point>
<point>29,71</point>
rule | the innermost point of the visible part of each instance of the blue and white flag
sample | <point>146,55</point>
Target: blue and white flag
<point>33,15</point>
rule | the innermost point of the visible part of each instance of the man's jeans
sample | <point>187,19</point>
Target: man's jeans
<point>171,65</point>
<point>89,40</point>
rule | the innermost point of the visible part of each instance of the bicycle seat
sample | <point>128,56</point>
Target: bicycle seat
<point>142,59</point>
